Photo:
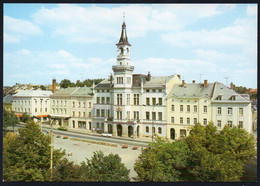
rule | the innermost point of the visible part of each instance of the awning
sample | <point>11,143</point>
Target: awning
<point>18,115</point>
<point>39,116</point>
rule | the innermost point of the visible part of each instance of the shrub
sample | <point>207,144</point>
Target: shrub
<point>125,146</point>
<point>58,136</point>
<point>62,128</point>
<point>65,137</point>
<point>135,148</point>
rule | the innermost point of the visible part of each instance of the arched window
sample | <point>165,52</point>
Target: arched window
<point>159,130</point>
<point>147,129</point>
<point>127,50</point>
<point>122,50</point>
<point>97,125</point>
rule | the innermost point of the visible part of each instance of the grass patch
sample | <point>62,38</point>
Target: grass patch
<point>96,142</point>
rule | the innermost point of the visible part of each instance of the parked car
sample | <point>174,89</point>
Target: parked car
<point>106,134</point>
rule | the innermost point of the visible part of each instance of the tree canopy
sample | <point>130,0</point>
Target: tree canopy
<point>9,119</point>
<point>65,83</point>
<point>104,168</point>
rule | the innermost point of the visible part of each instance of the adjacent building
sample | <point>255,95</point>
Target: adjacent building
<point>72,107</point>
<point>8,103</point>
<point>34,102</point>
<point>191,103</point>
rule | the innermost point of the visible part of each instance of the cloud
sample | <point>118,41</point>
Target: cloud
<point>17,29</point>
<point>251,10</point>
<point>92,24</point>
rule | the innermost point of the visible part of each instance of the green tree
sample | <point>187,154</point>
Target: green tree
<point>9,119</point>
<point>65,83</point>
<point>163,162</point>
<point>25,117</point>
<point>104,168</point>
<point>240,89</point>
<point>27,157</point>
<point>253,96</point>
<point>42,87</point>
<point>67,171</point>
<point>219,156</point>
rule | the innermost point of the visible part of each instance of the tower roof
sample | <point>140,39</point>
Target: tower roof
<point>123,39</point>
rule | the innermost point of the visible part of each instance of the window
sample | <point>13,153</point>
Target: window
<point>103,90</point>
<point>35,109</point>
<point>97,90</point>
<point>188,120</point>
<point>154,90</point>
<point>45,110</point>
<point>172,107</point>
<point>172,119</point>
<point>89,114</point>
<point>195,108</point>
<point>154,101</point>
<point>84,104</point>
<point>136,115</point>
<point>229,111</point>
<point>97,125</point>
<point>240,124</point>
<point>188,108</point>
<point>160,116</point>
<point>128,115</point>
<point>65,111</point>
<point>219,110</point>
<point>102,113</point>
<point>136,99</point>
<point>233,98</point>
<point>219,97</point>
<point>159,130</point>
<point>219,123</point>
<point>98,100</point>
<point>73,104</point>
<point>119,80</point>
<point>147,101</point>
<point>89,104</point>
<point>73,113</point>
<point>240,111</point>
<point>147,129</point>
<point>119,99</point>
<point>181,108</point>
<point>154,115</point>
<point>147,90</point>
<point>73,122</point>
<point>205,109</point>
<point>103,100</point>
<point>119,114</point>
<point>147,115</point>
<point>181,120</point>
<point>160,90</point>
<point>128,99</point>
<point>34,101</point>
<point>230,124</point>
<point>79,114</point>
<point>98,112</point>
<point>204,121</point>
<point>195,121</point>
<point>79,104</point>
<point>108,100</point>
<point>160,101</point>
<point>60,103</point>
<point>57,102</point>
<point>153,129</point>
<point>65,103</point>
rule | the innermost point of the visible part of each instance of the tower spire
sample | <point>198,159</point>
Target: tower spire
<point>123,39</point>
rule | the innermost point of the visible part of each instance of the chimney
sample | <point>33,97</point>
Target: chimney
<point>183,83</point>
<point>231,85</point>
<point>148,76</point>
<point>193,81</point>
<point>205,83</point>
<point>54,85</point>
<point>179,76</point>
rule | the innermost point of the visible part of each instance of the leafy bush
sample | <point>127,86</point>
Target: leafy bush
<point>58,136</point>
<point>65,137</point>
<point>125,146</point>
<point>62,128</point>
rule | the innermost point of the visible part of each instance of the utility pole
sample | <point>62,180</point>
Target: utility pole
<point>51,151</point>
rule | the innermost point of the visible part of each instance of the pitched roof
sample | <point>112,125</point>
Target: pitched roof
<point>212,90</point>
<point>33,93</point>
<point>74,91</point>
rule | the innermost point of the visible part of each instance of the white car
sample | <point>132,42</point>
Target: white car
<point>106,134</point>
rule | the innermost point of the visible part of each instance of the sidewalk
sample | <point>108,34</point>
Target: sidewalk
<point>85,131</point>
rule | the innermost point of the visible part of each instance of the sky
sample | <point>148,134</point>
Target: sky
<point>217,42</point>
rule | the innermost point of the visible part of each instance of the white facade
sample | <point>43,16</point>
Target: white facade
<point>34,102</point>
<point>72,107</point>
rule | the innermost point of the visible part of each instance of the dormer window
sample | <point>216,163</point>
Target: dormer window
<point>219,97</point>
<point>233,98</point>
